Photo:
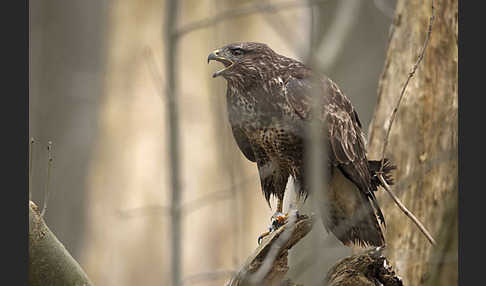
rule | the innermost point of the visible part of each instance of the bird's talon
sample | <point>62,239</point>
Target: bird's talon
<point>260,238</point>
<point>278,219</point>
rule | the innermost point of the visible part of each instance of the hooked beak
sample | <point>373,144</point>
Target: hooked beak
<point>216,56</point>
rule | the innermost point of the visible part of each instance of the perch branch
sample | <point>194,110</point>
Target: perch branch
<point>365,269</point>
<point>406,211</point>
<point>49,261</point>
<point>277,243</point>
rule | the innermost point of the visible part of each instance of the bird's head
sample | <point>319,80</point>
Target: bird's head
<point>242,59</point>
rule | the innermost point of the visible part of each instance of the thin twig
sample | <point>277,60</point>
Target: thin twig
<point>340,29</point>
<point>207,276</point>
<point>157,210</point>
<point>189,207</point>
<point>402,93</point>
<point>243,11</point>
<point>285,31</point>
<point>49,165</point>
<point>392,119</point>
<point>31,145</point>
<point>406,211</point>
<point>154,71</point>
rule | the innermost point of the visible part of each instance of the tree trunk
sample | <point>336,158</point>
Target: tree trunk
<point>422,142</point>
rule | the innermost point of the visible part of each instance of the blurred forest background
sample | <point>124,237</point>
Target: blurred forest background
<point>97,82</point>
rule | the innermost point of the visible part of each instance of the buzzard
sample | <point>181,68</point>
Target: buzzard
<point>269,106</point>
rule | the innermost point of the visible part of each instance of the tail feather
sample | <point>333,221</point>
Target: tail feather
<point>375,167</point>
<point>360,227</point>
<point>372,198</point>
<point>350,213</point>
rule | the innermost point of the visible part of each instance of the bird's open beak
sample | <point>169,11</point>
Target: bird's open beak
<point>216,55</point>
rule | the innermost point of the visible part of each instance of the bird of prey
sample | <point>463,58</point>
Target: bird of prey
<point>269,100</point>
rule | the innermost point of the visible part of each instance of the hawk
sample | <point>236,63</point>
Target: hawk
<point>269,107</point>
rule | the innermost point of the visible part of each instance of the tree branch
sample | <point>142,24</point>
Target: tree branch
<point>363,269</point>
<point>49,261</point>
<point>31,146</point>
<point>262,256</point>
<point>406,211</point>
<point>243,11</point>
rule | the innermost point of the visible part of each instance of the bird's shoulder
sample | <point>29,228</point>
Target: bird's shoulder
<point>346,138</point>
<point>301,83</point>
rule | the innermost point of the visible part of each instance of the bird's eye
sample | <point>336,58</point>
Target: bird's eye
<point>237,51</point>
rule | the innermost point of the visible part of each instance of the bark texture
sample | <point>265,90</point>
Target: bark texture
<point>272,255</point>
<point>369,268</point>
<point>49,262</point>
<point>423,141</point>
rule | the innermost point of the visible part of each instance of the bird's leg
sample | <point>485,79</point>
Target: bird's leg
<point>277,220</point>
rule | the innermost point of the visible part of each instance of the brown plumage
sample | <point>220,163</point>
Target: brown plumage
<point>269,108</point>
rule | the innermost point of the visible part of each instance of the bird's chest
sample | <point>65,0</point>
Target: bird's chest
<point>268,122</point>
<point>259,108</point>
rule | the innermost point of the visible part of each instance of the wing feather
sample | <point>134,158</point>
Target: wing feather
<point>243,143</point>
<point>347,146</point>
